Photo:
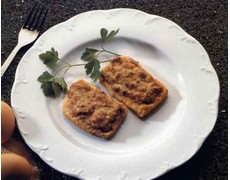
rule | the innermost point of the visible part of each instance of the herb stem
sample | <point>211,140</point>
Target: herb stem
<point>66,71</point>
<point>60,69</point>
<point>64,62</point>
<point>70,66</point>
<point>105,61</point>
<point>102,45</point>
<point>99,52</point>
<point>104,50</point>
<point>77,65</point>
<point>111,52</point>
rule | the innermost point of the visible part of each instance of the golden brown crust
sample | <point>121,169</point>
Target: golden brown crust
<point>129,83</point>
<point>92,110</point>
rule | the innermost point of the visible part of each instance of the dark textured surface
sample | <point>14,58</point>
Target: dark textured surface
<point>205,20</point>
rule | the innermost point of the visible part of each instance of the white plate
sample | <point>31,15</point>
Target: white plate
<point>140,149</point>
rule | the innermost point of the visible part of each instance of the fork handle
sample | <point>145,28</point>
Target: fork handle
<point>9,59</point>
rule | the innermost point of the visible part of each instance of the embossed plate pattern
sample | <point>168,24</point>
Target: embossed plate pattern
<point>142,149</point>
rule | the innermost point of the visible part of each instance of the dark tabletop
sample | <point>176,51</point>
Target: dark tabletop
<point>205,20</point>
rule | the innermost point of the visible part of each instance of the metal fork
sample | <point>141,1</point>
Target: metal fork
<point>29,31</point>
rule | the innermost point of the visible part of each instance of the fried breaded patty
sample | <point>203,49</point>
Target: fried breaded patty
<point>132,85</point>
<point>92,110</point>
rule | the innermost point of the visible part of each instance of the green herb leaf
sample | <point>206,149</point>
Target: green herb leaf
<point>89,54</point>
<point>93,68</point>
<point>47,88</point>
<point>105,36</point>
<point>46,83</point>
<point>50,58</point>
<point>56,89</point>
<point>91,50</point>
<point>45,77</point>
<point>61,83</point>
<point>104,33</point>
<point>112,34</point>
<point>52,86</point>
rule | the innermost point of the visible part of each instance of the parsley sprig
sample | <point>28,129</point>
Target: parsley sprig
<point>53,84</point>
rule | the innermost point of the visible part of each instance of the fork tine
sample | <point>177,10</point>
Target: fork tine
<point>38,26</point>
<point>29,16</point>
<point>33,18</point>
<point>37,19</point>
